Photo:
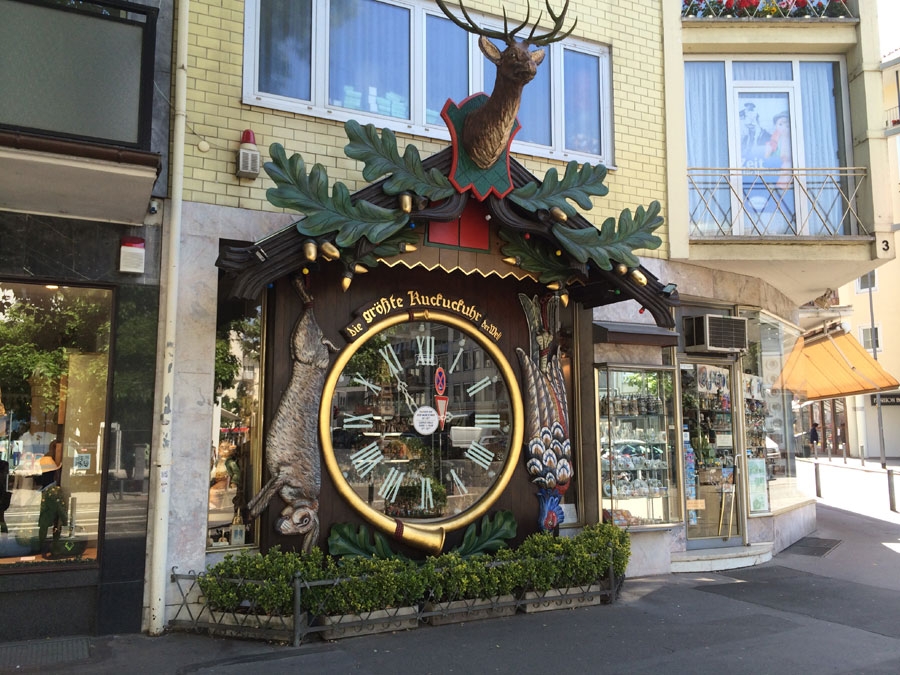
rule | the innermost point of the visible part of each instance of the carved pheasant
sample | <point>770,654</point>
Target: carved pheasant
<point>549,450</point>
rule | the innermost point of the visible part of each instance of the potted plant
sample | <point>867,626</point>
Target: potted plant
<point>257,591</point>
<point>566,572</point>
<point>465,589</point>
<point>691,7</point>
<point>836,9</point>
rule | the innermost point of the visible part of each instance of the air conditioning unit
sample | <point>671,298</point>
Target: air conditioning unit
<point>714,333</point>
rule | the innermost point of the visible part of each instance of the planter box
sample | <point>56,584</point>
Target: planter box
<point>566,598</point>
<point>457,611</point>
<point>379,621</point>
<point>234,624</point>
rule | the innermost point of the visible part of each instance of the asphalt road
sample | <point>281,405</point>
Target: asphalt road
<point>832,606</point>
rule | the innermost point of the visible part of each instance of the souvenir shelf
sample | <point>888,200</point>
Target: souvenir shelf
<point>709,452</point>
<point>637,457</point>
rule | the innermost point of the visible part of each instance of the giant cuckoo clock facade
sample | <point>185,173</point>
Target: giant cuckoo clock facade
<point>429,379</point>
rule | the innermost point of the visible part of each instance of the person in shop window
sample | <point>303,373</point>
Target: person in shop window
<point>814,437</point>
<point>54,507</point>
<point>5,495</point>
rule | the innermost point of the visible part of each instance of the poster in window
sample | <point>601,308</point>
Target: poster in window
<point>765,146</point>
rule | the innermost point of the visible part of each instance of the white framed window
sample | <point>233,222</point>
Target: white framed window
<point>767,138</point>
<point>866,336</point>
<point>331,59</point>
<point>866,282</point>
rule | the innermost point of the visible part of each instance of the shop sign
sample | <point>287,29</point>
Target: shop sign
<point>886,399</point>
<point>404,303</point>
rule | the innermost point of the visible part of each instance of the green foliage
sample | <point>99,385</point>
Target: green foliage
<point>537,257</point>
<point>492,538</point>
<point>261,582</point>
<point>562,562</point>
<point>359,583</point>
<point>368,584</point>
<point>577,185</point>
<point>611,242</point>
<point>344,540</point>
<point>381,158</point>
<point>227,366</point>
<point>38,331</point>
<point>325,214</point>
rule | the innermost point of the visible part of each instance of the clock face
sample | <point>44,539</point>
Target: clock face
<point>421,425</point>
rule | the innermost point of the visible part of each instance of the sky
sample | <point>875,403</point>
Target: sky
<point>888,23</point>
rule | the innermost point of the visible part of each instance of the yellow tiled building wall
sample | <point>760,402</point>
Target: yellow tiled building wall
<point>216,114</point>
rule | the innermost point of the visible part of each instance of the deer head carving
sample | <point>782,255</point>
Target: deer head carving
<point>486,131</point>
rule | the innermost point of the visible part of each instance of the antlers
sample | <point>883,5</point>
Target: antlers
<point>508,36</point>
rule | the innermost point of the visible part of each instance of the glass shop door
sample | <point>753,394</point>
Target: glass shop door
<point>712,464</point>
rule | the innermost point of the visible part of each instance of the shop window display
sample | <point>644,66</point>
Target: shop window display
<point>638,461</point>
<point>712,479</point>
<point>234,462</point>
<point>54,371</point>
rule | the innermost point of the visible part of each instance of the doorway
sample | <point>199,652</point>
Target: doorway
<point>712,464</point>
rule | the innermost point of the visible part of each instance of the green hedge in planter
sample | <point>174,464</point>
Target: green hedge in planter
<point>255,583</point>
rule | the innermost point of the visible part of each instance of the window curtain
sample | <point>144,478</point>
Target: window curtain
<point>821,149</point>
<point>446,65</point>
<point>534,110</point>
<point>367,70</point>
<point>707,147</point>
<point>285,47</point>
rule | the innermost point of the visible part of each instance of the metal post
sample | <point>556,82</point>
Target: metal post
<point>298,609</point>
<point>875,356</point>
<point>892,499</point>
<point>818,482</point>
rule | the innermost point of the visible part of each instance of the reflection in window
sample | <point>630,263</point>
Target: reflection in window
<point>866,282</point>
<point>54,368</point>
<point>869,338</point>
<point>234,461</point>
<point>773,435</point>
<point>582,98</point>
<point>285,47</point>
<point>446,64</point>
<point>373,71</point>
<point>367,71</point>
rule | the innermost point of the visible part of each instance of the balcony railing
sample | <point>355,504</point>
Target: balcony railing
<point>728,202</point>
<point>762,9</point>
<point>892,117</point>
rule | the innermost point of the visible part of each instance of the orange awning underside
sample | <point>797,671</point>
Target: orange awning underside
<point>833,366</point>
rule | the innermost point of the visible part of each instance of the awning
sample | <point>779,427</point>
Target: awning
<point>832,366</point>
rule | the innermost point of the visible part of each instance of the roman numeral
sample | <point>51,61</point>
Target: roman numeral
<point>359,421</point>
<point>359,379</point>
<point>456,360</point>
<point>390,357</point>
<point>427,501</point>
<point>480,455</point>
<point>458,482</point>
<point>425,357</point>
<point>487,421</point>
<point>391,485</point>
<point>478,386</point>
<point>366,459</point>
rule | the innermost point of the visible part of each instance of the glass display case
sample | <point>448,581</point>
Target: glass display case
<point>638,461</point>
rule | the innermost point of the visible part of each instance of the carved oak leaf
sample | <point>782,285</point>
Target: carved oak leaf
<point>577,185</point>
<point>326,214</point>
<point>536,257</point>
<point>382,158</point>
<point>611,242</point>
